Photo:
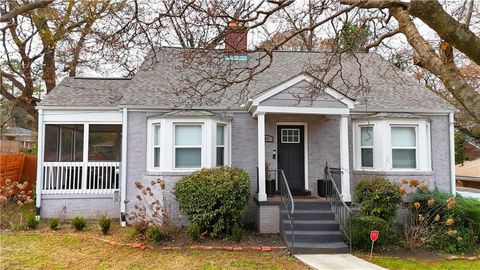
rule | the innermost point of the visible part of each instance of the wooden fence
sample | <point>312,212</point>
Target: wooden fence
<point>18,167</point>
<point>9,147</point>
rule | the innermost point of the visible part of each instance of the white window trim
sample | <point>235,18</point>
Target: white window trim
<point>167,143</point>
<point>382,146</point>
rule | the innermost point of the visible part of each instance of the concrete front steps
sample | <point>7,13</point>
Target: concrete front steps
<point>314,228</point>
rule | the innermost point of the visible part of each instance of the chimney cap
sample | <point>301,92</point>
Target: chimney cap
<point>233,24</point>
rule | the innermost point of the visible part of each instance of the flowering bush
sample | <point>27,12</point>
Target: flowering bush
<point>149,213</point>
<point>13,197</point>
<point>439,220</point>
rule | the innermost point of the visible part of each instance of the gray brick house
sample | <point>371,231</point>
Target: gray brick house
<point>97,136</point>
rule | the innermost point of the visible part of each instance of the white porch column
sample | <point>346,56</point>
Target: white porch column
<point>86,133</point>
<point>40,155</point>
<point>262,195</point>
<point>344,159</point>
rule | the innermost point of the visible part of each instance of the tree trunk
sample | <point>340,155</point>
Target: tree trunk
<point>463,92</point>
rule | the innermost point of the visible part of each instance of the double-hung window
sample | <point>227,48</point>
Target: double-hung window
<point>404,147</point>
<point>366,146</point>
<point>220,146</point>
<point>156,145</point>
<point>188,146</point>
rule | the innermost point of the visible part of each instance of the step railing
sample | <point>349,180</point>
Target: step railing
<point>288,205</point>
<point>343,213</point>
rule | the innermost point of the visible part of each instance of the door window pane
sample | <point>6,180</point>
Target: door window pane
<point>403,158</point>
<point>403,136</point>
<point>188,157</point>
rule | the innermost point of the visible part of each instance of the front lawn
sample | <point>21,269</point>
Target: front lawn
<point>47,250</point>
<point>414,264</point>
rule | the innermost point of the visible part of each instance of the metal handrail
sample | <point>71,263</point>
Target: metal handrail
<point>342,212</point>
<point>287,202</point>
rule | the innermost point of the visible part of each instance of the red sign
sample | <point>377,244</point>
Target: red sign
<point>374,235</point>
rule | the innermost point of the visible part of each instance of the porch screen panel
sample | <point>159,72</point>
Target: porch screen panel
<point>104,142</point>
<point>63,143</point>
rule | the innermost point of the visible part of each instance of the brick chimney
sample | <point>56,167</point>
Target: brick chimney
<point>236,39</point>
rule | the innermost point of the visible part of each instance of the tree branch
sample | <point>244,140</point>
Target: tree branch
<point>23,9</point>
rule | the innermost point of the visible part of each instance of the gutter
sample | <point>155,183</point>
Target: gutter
<point>123,168</point>
<point>41,147</point>
<point>453,188</point>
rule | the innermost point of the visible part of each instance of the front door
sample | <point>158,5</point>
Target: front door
<point>291,158</point>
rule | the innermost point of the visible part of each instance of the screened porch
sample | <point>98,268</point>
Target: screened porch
<point>81,158</point>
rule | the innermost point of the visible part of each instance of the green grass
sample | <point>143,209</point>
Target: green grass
<point>413,264</point>
<point>41,250</point>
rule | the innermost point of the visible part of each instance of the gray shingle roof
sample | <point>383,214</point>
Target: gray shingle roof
<point>86,92</point>
<point>185,78</point>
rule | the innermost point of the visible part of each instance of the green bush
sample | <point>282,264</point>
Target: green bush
<point>32,222</point>
<point>104,224</point>
<point>361,228</point>
<point>194,231</point>
<point>155,234</point>
<point>79,223</point>
<point>378,197</point>
<point>215,199</point>
<point>53,223</point>
<point>237,233</point>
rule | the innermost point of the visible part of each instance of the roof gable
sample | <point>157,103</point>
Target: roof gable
<point>295,92</point>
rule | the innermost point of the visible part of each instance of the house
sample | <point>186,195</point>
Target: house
<point>24,138</point>
<point>471,149</point>
<point>170,120</point>
<point>468,175</point>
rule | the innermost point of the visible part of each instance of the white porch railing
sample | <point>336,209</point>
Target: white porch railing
<point>80,178</point>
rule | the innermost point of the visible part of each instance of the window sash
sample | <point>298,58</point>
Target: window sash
<point>187,164</point>
<point>400,145</point>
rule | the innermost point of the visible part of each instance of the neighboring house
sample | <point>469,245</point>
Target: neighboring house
<point>157,125</point>
<point>468,175</point>
<point>24,137</point>
<point>471,149</point>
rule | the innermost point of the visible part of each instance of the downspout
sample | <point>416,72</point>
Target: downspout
<point>40,149</point>
<point>123,172</point>
<point>451,121</point>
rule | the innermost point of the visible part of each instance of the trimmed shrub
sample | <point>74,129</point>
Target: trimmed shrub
<point>53,223</point>
<point>104,224</point>
<point>79,223</point>
<point>237,233</point>
<point>378,197</point>
<point>215,199</point>
<point>155,234</point>
<point>361,228</point>
<point>32,222</point>
<point>194,231</point>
